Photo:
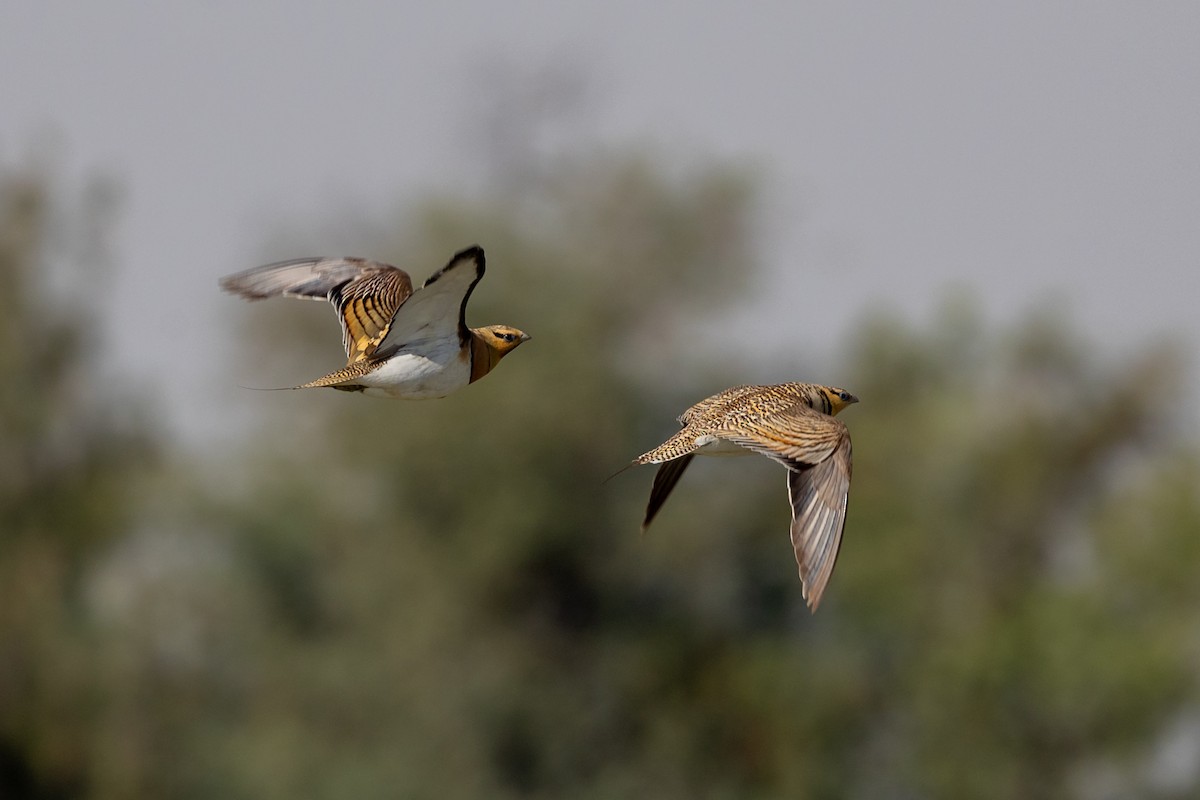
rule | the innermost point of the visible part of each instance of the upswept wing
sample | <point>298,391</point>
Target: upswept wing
<point>438,309</point>
<point>818,496</point>
<point>365,294</point>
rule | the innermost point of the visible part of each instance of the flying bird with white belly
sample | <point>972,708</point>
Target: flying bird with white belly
<point>400,343</point>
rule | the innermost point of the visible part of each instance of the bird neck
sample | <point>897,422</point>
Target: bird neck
<point>484,357</point>
<point>823,404</point>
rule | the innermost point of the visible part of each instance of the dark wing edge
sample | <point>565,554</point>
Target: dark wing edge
<point>818,495</point>
<point>473,253</point>
<point>665,479</point>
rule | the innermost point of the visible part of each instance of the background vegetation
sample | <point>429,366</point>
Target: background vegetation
<point>444,599</point>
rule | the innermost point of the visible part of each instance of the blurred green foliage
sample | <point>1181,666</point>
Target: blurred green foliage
<point>69,456</point>
<point>444,599</point>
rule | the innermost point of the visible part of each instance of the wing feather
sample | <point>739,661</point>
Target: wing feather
<point>664,481</point>
<point>438,309</point>
<point>367,305</point>
<point>818,496</point>
<point>365,294</point>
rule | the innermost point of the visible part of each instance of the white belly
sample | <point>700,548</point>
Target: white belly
<point>423,376</point>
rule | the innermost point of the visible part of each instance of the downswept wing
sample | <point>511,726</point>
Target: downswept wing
<point>816,449</point>
<point>818,496</point>
<point>664,481</point>
<point>365,294</point>
<point>438,309</point>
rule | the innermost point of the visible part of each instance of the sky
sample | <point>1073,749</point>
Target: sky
<point>1032,153</point>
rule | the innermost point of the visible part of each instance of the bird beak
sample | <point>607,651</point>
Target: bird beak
<point>525,337</point>
<point>852,400</point>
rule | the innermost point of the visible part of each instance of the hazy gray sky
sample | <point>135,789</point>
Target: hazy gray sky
<point>1025,149</point>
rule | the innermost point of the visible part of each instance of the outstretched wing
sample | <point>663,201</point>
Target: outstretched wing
<point>815,448</point>
<point>818,495</point>
<point>438,309</point>
<point>365,294</point>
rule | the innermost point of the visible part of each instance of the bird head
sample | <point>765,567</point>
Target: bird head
<point>490,344</point>
<point>501,339</point>
<point>838,398</point>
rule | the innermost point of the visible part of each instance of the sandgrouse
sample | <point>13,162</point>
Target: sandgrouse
<point>400,343</point>
<point>792,423</point>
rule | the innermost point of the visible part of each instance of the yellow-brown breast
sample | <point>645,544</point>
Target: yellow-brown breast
<point>490,344</point>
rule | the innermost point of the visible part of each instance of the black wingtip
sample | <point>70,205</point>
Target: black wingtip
<point>474,251</point>
<point>665,479</point>
<point>651,514</point>
<point>233,285</point>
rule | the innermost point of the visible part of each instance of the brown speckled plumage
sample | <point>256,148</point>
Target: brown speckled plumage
<point>346,375</point>
<point>791,423</point>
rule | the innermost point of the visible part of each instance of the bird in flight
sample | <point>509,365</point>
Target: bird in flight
<point>792,423</point>
<point>400,343</point>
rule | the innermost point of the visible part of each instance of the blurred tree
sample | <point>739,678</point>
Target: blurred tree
<point>1019,647</point>
<point>67,452</point>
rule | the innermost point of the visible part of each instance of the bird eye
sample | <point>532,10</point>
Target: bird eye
<point>845,396</point>
<point>508,337</point>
